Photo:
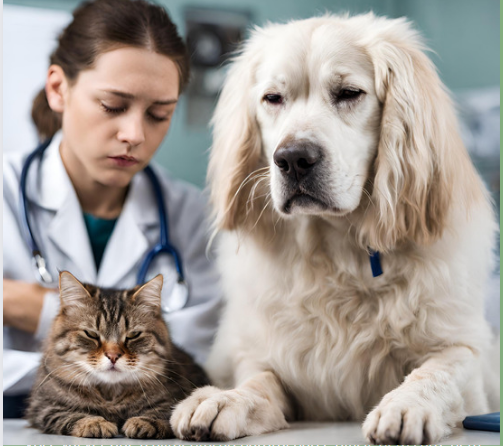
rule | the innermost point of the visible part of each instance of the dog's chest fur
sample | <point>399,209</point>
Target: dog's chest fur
<point>341,354</point>
<point>337,338</point>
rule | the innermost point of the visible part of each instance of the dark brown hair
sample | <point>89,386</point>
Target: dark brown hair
<point>102,25</point>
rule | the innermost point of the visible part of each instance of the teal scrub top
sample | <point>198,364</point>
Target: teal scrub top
<point>99,230</point>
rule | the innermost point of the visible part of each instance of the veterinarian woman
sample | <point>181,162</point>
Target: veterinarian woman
<point>110,93</point>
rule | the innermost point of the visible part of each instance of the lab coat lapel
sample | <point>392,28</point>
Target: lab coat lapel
<point>66,230</point>
<point>129,244</point>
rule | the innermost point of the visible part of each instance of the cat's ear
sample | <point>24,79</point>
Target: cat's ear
<point>149,294</point>
<point>72,293</point>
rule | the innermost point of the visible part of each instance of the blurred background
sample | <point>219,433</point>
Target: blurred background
<point>463,34</point>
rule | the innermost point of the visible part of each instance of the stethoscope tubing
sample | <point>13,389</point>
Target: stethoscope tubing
<point>23,200</point>
<point>164,245</point>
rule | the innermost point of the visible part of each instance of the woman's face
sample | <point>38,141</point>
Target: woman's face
<point>116,114</point>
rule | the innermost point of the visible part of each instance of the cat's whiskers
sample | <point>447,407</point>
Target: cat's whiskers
<point>172,371</point>
<point>165,376</point>
<point>81,372</point>
<point>170,361</point>
<point>146,369</point>
<point>152,379</point>
<point>144,394</point>
<point>84,382</point>
<point>55,370</point>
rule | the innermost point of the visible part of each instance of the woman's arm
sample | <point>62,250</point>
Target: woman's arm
<point>22,304</point>
<point>27,306</point>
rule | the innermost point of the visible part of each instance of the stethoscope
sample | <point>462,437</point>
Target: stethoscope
<point>180,293</point>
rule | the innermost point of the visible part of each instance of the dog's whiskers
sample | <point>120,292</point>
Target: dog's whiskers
<point>260,174</point>
<point>262,212</point>
<point>252,197</point>
<point>252,176</point>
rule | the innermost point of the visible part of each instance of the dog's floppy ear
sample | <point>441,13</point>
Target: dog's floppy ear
<point>420,154</point>
<point>237,146</point>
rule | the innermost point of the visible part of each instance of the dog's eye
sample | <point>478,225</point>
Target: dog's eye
<point>348,94</point>
<point>275,99</point>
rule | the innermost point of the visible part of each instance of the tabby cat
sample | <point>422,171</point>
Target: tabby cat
<point>109,366</point>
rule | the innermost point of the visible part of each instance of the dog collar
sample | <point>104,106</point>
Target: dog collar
<point>375,263</point>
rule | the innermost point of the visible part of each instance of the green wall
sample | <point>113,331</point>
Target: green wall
<point>464,35</point>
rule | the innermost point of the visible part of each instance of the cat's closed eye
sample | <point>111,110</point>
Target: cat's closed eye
<point>133,334</point>
<point>91,334</point>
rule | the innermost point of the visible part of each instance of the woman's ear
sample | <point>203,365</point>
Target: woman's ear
<point>56,87</point>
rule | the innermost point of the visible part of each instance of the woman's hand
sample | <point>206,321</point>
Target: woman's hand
<point>22,304</point>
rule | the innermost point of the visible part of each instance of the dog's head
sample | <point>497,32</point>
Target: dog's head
<point>336,115</point>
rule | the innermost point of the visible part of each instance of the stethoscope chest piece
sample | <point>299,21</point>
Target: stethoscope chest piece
<point>177,298</point>
<point>41,269</point>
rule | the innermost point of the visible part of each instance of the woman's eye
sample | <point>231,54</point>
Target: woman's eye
<point>91,334</point>
<point>133,335</point>
<point>348,94</point>
<point>109,109</point>
<point>157,118</point>
<point>275,99</point>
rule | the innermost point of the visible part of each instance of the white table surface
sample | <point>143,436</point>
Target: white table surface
<point>16,432</point>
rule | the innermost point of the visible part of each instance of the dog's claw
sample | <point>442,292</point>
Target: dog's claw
<point>200,433</point>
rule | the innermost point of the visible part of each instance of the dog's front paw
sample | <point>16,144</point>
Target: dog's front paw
<point>223,415</point>
<point>404,421</point>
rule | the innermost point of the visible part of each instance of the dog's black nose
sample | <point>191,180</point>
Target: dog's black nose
<point>297,160</point>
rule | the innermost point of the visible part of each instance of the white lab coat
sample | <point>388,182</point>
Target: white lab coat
<point>59,229</point>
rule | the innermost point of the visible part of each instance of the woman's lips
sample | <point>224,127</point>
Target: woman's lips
<point>123,161</point>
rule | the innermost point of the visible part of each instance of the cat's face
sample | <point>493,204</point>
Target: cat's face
<point>109,336</point>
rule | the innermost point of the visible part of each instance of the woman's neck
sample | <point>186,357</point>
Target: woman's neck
<point>100,201</point>
<point>95,198</point>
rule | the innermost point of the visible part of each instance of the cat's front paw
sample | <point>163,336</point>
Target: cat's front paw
<point>94,427</point>
<point>145,427</point>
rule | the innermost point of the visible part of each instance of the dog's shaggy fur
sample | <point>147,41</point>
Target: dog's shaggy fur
<point>333,138</point>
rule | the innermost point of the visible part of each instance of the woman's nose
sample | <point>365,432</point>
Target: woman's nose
<point>132,129</point>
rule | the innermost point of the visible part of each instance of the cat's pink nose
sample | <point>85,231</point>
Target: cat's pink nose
<point>113,356</point>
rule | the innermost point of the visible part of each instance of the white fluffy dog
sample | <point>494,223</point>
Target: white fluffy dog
<point>334,139</point>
